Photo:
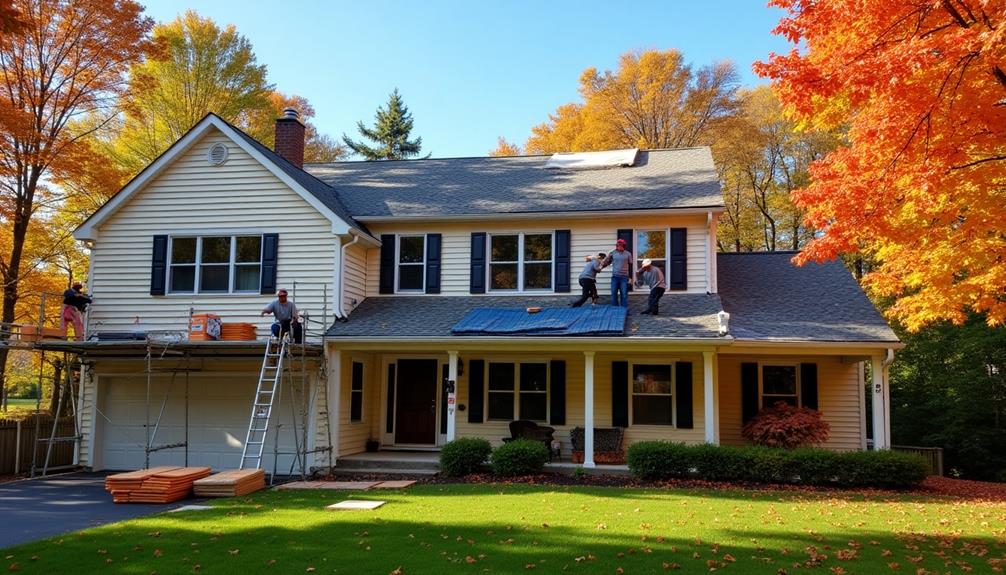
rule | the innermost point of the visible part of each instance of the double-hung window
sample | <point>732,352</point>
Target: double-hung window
<point>411,263</point>
<point>215,264</point>
<point>523,386</point>
<point>520,262</point>
<point>779,383</point>
<point>652,245</point>
<point>652,398</point>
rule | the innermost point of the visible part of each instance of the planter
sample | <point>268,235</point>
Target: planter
<point>372,445</point>
<point>601,457</point>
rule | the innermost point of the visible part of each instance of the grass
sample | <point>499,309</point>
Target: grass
<point>519,528</point>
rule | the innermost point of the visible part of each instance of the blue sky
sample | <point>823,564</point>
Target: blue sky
<point>472,71</point>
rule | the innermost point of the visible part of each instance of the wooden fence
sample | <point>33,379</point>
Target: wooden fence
<point>17,439</point>
<point>932,455</point>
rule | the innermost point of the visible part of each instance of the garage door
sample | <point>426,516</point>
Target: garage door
<point>219,407</point>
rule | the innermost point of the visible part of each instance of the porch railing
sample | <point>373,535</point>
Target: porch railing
<point>932,455</point>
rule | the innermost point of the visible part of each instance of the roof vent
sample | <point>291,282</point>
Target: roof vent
<point>593,160</point>
<point>217,154</point>
<point>291,113</point>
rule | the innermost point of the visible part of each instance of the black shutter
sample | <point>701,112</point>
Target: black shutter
<point>270,263</point>
<point>677,279</point>
<point>557,407</point>
<point>445,373</point>
<point>620,394</point>
<point>159,265</point>
<point>477,282</point>
<point>562,261</point>
<point>476,390</point>
<point>433,263</point>
<point>390,425</point>
<point>387,274</point>
<point>749,391</point>
<point>628,237</point>
<point>683,389</point>
<point>808,385</point>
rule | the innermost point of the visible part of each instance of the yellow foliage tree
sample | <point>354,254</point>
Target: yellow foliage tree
<point>505,148</point>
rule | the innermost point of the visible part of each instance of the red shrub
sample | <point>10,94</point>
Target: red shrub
<point>786,426</point>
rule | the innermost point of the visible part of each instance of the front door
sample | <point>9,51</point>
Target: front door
<point>416,402</point>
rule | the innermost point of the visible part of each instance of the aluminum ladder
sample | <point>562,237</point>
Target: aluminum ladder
<point>269,387</point>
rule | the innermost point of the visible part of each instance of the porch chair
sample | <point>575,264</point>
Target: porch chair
<point>527,429</point>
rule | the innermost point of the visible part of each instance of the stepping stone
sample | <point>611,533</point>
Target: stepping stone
<point>348,485</point>
<point>398,484</point>
<point>191,508</point>
<point>355,505</point>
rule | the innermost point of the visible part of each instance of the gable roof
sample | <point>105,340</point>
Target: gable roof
<point>771,299</point>
<point>457,187</point>
<point>312,190</point>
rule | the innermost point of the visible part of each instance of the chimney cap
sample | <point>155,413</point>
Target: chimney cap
<point>291,114</point>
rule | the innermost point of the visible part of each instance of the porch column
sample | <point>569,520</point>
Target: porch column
<point>588,409</point>
<point>452,389</point>
<point>333,393</point>
<point>879,404</point>
<point>710,398</point>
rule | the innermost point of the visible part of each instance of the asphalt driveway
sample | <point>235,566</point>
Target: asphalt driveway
<point>34,509</point>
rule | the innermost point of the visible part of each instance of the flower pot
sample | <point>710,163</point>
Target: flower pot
<point>372,445</point>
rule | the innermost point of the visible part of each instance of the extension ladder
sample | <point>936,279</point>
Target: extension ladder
<point>269,386</point>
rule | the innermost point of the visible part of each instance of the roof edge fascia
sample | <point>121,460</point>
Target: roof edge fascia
<point>538,215</point>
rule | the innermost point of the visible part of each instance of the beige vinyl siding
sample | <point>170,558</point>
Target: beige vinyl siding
<point>355,277</point>
<point>353,435</point>
<point>838,390</point>
<point>86,407</point>
<point>589,234</point>
<point>190,197</point>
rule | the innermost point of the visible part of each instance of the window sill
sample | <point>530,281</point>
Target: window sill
<point>215,294</point>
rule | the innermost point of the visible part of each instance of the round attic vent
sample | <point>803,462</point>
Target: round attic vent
<point>217,154</point>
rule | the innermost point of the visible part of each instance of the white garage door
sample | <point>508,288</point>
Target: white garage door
<point>218,412</point>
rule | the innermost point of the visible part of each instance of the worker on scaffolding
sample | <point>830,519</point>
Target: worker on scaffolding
<point>287,318</point>
<point>74,305</point>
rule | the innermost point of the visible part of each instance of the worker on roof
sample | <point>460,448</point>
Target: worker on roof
<point>74,305</point>
<point>588,278</point>
<point>620,261</point>
<point>287,318</point>
<point>653,277</point>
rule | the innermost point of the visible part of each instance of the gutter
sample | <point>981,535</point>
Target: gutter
<point>340,312</point>
<point>697,210</point>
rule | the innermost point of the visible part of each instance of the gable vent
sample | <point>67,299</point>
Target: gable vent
<point>217,154</point>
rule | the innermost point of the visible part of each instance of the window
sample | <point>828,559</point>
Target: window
<point>779,384</point>
<point>534,391</point>
<point>530,391</point>
<point>411,263</point>
<point>520,262</point>
<point>653,245</point>
<point>216,264</point>
<point>652,401</point>
<point>501,391</point>
<point>356,394</point>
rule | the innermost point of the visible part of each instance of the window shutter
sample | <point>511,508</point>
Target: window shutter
<point>562,261</point>
<point>628,237</point>
<point>678,276</point>
<point>620,394</point>
<point>683,390</point>
<point>808,385</point>
<point>557,390</point>
<point>270,263</point>
<point>159,266</point>
<point>387,273</point>
<point>477,283</point>
<point>433,242</point>
<point>389,426</point>
<point>476,390</point>
<point>749,391</point>
<point>444,375</point>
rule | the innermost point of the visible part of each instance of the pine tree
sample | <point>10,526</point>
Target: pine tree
<point>390,133</point>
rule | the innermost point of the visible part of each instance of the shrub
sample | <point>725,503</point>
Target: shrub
<point>519,457</point>
<point>463,456</point>
<point>659,459</point>
<point>816,466</point>
<point>786,426</point>
<point>887,469</point>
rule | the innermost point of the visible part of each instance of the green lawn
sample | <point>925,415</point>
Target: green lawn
<point>517,528</point>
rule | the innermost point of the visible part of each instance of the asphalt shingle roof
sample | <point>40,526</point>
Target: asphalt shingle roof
<point>771,299</point>
<point>681,178</point>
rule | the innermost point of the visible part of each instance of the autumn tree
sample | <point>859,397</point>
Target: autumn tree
<point>505,148</point>
<point>918,188</point>
<point>654,99</point>
<point>389,135</point>
<point>68,62</point>
<point>318,147</point>
<point>9,21</point>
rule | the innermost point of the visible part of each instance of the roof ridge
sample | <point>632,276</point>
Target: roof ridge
<point>491,158</point>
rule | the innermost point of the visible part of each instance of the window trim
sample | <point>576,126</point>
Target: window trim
<point>361,391</point>
<point>516,390</point>
<point>635,255</point>
<point>398,263</point>
<point>521,262</point>
<point>673,365</point>
<point>761,381</point>
<point>198,263</point>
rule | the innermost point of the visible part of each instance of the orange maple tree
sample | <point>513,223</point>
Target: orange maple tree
<point>920,185</point>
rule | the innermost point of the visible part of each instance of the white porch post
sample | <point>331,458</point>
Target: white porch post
<point>452,378</point>
<point>334,390</point>
<point>588,409</point>
<point>878,403</point>
<point>710,397</point>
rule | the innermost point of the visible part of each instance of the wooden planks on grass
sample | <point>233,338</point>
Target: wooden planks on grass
<point>234,483</point>
<point>154,485</point>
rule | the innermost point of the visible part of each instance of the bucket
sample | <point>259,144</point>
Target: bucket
<point>204,327</point>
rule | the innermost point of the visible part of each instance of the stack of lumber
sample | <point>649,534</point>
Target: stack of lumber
<point>234,483</point>
<point>238,332</point>
<point>154,485</point>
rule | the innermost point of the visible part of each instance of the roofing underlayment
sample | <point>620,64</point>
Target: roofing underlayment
<point>601,320</point>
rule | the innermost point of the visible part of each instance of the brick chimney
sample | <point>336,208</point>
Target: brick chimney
<point>290,137</point>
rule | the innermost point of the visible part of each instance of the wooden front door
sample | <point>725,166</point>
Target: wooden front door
<point>416,402</point>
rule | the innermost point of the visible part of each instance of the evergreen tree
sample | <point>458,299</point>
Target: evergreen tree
<point>390,133</point>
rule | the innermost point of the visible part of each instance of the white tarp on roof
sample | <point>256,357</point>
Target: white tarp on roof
<point>593,160</point>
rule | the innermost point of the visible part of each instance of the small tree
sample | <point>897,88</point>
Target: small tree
<point>390,133</point>
<point>783,425</point>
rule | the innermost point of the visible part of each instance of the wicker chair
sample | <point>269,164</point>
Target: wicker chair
<point>526,429</point>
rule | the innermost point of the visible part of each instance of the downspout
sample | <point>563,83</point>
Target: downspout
<point>340,311</point>
<point>710,256</point>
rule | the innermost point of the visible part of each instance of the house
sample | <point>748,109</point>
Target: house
<point>418,276</point>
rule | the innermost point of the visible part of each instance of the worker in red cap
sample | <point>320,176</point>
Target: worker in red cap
<point>620,261</point>
<point>286,315</point>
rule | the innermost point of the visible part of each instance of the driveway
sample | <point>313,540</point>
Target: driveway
<point>34,509</point>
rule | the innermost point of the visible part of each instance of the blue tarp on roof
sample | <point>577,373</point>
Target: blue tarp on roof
<point>595,320</point>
